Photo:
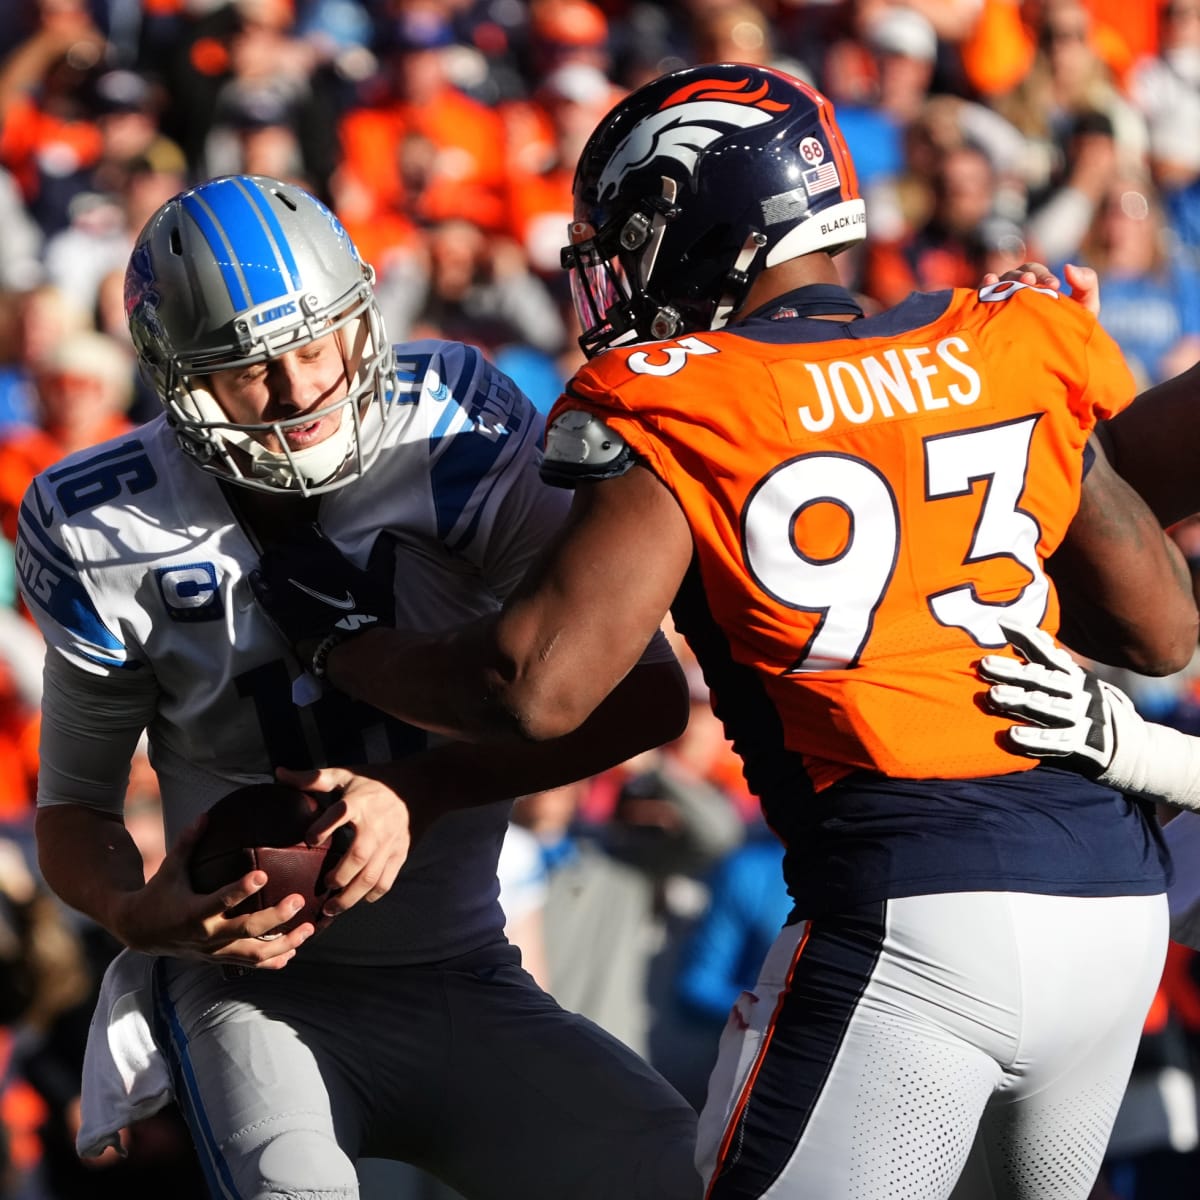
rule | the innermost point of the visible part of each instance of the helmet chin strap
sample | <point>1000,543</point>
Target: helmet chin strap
<point>733,295</point>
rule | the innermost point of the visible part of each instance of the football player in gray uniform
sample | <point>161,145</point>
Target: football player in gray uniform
<point>408,1028</point>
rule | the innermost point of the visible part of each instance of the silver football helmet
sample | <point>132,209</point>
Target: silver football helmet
<point>238,270</point>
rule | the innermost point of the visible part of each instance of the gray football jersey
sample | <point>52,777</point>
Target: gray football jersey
<point>135,569</point>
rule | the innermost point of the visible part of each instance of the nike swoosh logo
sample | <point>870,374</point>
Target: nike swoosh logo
<point>347,602</point>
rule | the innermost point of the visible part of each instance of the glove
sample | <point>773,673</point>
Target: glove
<point>316,597</point>
<point>1069,714</point>
<point>1088,725</point>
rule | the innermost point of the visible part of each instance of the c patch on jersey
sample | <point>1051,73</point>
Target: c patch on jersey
<point>190,592</point>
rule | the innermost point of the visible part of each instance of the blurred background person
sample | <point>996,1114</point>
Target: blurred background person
<point>49,138</point>
<point>83,386</point>
<point>1151,297</point>
<point>747,906</point>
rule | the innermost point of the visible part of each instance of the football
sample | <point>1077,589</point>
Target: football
<point>261,826</point>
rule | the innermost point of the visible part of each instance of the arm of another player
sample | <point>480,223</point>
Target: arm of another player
<point>1155,445</point>
<point>1070,717</point>
<point>566,637</point>
<point>1125,588</point>
<point>648,707</point>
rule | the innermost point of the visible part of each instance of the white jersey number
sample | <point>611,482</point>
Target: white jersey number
<point>848,587</point>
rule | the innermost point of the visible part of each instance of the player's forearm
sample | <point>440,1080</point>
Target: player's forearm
<point>88,860</point>
<point>1155,445</point>
<point>513,678</point>
<point>647,708</point>
<point>1126,591</point>
<point>436,683</point>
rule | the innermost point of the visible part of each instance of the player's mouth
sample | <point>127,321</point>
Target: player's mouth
<point>299,437</point>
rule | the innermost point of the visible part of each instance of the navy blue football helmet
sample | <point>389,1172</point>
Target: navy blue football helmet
<point>690,187</point>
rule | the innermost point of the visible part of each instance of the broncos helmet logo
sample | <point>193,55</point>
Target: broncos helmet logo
<point>689,121</point>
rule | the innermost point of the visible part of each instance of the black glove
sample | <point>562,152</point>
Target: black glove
<point>316,597</point>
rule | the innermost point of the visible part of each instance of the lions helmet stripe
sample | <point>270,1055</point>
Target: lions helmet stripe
<point>237,236</point>
<point>284,247</point>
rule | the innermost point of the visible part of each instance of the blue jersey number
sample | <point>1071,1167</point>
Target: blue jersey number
<point>334,731</point>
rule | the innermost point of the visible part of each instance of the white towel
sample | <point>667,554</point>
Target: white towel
<point>125,1074</point>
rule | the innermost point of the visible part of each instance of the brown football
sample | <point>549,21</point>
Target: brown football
<point>261,826</point>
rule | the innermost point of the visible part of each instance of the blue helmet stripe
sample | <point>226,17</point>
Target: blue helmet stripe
<point>221,254</point>
<point>267,213</point>
<point>237,237</point>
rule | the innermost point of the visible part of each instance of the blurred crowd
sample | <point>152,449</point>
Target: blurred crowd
<point>444,134</point>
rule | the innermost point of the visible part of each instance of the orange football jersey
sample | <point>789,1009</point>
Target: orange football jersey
<point>870,499</point>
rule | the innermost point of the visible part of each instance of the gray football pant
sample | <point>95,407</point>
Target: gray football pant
<point>467,1070</point>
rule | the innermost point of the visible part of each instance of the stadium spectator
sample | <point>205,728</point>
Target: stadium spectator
<point>1151,296</point>
<point>128,108</point>
<point>469,287</point>
<point>83,387</point>
<point>546,135</point>
<point>1070,92</point>
<point>103,227</point>
<point>49,140</point>
<point>566,31</point>
<point>619,892</point>
<point>33,322</point>
<point>947,249</point>
<point>720,955</point>
<point>417,150</point>
<point>275,82</point>
<point>1166,85</point>
<point>20,264</point>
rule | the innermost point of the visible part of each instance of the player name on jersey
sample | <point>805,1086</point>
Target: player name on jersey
<point>894,383</point>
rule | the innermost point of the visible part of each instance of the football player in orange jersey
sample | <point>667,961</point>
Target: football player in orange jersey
<point>840,511</point>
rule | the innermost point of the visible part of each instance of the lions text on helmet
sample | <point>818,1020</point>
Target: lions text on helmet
<point>254,317</point>
<point>691,187</point>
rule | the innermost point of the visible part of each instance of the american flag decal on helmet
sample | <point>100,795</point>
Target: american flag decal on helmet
<point>821,179</point>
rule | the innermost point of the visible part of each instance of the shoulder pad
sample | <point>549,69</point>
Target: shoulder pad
<point>581,447</point>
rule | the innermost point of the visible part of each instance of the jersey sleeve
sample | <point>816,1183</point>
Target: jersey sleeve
<point>89,731</point>
<point>56,589</point>
<point>484,436</point>
<point>1110,383</point>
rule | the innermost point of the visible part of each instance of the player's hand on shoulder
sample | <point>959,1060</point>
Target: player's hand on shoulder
<point>382,832</point>
<point>167,917</point>
<point>315,596</point>
<point>1083,281</point>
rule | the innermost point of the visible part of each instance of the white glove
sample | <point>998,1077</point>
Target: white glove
<point>1070,713</point>
<point>1087,725</point>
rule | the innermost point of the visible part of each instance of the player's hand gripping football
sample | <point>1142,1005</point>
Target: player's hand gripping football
<point>380,820</point>
<point>167,917</point>
<point>316,597</point>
